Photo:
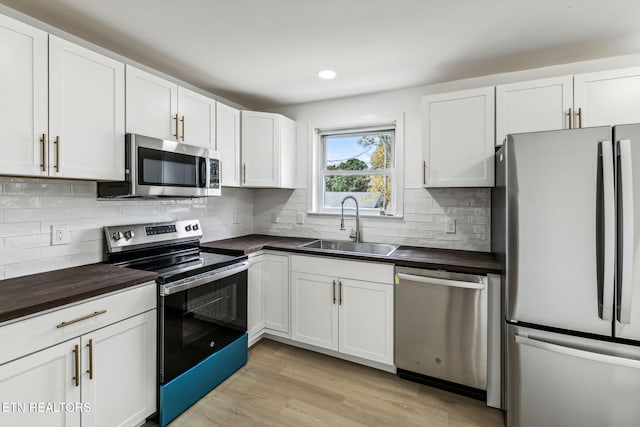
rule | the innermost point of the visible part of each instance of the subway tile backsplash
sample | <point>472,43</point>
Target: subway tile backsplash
<point>29,207</point>
<point>425,213</point>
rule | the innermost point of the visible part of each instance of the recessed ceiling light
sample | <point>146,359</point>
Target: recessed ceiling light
<point>327,74</point>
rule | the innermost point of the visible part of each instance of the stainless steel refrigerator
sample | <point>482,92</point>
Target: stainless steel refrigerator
<point>566,228</point>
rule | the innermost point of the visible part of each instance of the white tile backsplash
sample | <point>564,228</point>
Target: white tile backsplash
<point>425,212</point>
<point>29,207</point>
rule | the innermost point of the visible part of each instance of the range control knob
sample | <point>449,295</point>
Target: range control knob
<point>116,236</point>
<point>129,234</point>
<point>195,227</point>
<point>187,228</point>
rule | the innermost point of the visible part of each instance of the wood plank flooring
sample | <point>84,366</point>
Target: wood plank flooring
<point>287,386</point>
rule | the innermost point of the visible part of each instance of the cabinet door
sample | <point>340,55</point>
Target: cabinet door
<point>458,138</point>
<point>86,113</point>
<point>314,310</point>
<point>255,298</point>
<point>533,106</point>
<point>228,144</point>
<point>197,118</point>
<point>260,149</point>
<point>23,104</point>
<point>119,372</point>
<point>608,98</point>
<point>366,320</point>
<point>275,278</point>
<point>152,105</point>
<point>44,377</point>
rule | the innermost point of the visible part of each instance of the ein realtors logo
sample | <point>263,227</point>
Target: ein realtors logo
<point>44,407</point>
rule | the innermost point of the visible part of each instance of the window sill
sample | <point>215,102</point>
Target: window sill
<point>351,215</point>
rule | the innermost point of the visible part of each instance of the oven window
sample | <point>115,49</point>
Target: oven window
<point>202,320</point>
<point>164,168</point>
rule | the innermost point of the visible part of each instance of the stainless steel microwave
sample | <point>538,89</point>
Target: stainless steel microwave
<point>161,168</point>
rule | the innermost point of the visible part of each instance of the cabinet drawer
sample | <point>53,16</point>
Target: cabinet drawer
<point>359,270</point>
<point>42,331</point>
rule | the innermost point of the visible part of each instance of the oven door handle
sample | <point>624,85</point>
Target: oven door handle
<point>193,282</point>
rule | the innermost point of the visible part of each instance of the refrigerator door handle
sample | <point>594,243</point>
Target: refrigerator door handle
<point>575,352</point>
<point>626,187</point>
<point>609,201</point>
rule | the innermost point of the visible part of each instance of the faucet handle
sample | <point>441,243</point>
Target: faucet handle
<point>353,235</point>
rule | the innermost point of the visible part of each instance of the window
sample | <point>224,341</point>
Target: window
<point>358,162</point>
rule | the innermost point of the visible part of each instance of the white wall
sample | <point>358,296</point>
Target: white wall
<point>28,208</point>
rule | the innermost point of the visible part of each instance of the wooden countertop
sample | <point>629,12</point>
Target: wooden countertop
<point>26,295</point>
<point>406,256</point>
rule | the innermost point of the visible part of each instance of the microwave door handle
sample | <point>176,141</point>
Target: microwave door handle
<point>205,172</point>
<point>606,288</point>
<point>627,234</point>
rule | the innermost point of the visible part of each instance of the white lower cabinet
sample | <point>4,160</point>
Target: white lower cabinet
<point>255,299</point>
<point>340,313</point>
<point>103,377</point>
<point>268,296</point>
<point>119,362</point>
<point>275,279</point>
<point>42,378</point>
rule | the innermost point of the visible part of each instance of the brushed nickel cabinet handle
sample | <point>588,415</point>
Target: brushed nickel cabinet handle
<point>43,165</point>
<point>80,319</point>
<point>570,114</point>
<point>244,173</point>
<point>340,282</point>
<point>90,370</point>
<point>580,117</point>
<point>182,120</point>
<point>334,291</point>
<point>177,123</point>
<point>57,154</point>
<point>76,355</point>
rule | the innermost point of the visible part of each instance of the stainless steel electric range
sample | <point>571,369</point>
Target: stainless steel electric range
<point>202,307</point>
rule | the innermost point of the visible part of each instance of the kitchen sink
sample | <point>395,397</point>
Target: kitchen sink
<point>352,247</point>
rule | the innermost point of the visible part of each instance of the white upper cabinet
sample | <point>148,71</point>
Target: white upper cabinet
<point>228,144</point>
<point>268,150</point>
<point>607,98</point>
<point>533,106</point>
<point>23,104</point>
<point>197,118</point>
<point>152,104</point>
<point>86,113</point>
<point>458,138</point>
<point>161,109</point>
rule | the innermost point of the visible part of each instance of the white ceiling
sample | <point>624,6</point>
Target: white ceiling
<point>263,53</point>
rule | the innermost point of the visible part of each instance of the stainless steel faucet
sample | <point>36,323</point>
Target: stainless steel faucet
<point>355,235</point>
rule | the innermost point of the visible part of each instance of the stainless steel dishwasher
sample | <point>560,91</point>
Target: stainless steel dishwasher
<point>441,329</point>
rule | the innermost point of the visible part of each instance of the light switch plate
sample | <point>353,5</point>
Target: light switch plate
<point>236,217</point>
<point>300,218</point>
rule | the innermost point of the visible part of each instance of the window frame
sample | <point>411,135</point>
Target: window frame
<point>319,171</point>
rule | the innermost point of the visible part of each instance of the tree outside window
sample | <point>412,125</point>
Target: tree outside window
<point>359,164</point>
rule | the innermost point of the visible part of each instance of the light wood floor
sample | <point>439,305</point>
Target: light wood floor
<point>287,386</point>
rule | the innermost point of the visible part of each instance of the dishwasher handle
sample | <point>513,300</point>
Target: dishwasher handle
<point>441,282</point>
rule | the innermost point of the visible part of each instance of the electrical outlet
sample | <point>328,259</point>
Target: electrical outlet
<point>59,234</point>
<point>274,217</point>
<point>300,218</point>
<point>236,217</point>
<point>450,226</point>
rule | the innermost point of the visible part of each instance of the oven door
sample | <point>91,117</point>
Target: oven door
<point>199,321</point>
<point>168,168</point>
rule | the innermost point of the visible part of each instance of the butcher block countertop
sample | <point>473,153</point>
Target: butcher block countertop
<point>406,256</point>
<point>22,296</point>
